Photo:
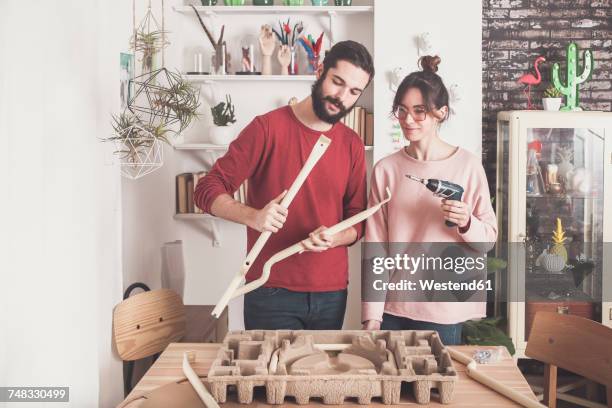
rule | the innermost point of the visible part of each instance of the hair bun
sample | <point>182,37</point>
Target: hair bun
<point>429,63</point>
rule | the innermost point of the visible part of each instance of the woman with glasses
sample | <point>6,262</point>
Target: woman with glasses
<point>415,215</point>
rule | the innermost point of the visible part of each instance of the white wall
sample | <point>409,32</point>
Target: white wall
<point>60,239</point>
<point>456,34</point>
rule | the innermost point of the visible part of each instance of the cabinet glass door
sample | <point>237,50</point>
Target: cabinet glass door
<point>564,221</point>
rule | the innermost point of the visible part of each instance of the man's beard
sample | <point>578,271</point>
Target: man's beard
<point>318,104</point>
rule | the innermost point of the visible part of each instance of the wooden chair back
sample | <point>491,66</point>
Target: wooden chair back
<point>144,324</point>
<point>573,343</point>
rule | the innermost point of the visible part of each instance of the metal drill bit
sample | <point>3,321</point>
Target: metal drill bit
<point>420,180</point>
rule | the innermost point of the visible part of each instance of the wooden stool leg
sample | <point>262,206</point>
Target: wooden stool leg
<point>550,386</point>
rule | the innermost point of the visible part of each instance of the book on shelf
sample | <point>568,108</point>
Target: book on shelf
<point>182,180</point>
<point>369,129</point>
<point>186,184</point>
<point>196,177</point>
<point>362,122</point>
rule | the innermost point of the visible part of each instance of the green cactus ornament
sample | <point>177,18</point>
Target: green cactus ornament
<point>571,90</point>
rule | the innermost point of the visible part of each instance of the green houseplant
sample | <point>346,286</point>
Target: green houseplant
<point>223,113</point>
<point>552,98</point>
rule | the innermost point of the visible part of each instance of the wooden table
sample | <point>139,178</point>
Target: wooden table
<point>468,393</point>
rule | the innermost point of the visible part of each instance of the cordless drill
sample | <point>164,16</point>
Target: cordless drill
<point>441,188</point>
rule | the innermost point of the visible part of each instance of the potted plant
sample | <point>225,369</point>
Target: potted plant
<point>222,133</point>
<point>552,99</point>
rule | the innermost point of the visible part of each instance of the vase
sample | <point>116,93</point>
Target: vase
<point>293,2</point>
<point>209,2</point>
<point>343,2</point>
<point>263,2</point>
<point>313,64</point>
<point>233,2</point>
<point>221,135</point>
<point>319,2</point>
<point>553,263</point>
<point>219,60</point>
<point>293,65</point>
<point>551,104</point>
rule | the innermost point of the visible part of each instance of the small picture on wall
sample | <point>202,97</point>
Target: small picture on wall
<point>126,73</point>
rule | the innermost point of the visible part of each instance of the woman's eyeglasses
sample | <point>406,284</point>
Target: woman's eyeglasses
<point>418,113</point>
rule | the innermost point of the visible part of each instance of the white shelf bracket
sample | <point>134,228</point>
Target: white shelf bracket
<point>332,23</point>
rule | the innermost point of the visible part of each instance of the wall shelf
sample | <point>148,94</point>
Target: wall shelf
<point>207,147</point>
<point>248,78</point>
<point>331,12</point>
<point>192,216</point>
<point>315,10</point>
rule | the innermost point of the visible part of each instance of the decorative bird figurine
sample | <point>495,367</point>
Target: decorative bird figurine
<point>529,79</point>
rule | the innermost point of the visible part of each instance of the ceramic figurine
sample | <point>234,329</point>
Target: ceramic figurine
<point>267,42</point>
<point>284,58</point>
<point>531,80</point>
<point>559,241</point>
<point>573,79</point>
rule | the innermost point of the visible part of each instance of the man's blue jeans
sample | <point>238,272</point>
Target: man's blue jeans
<point>278,308</point>
<point>450,334</point>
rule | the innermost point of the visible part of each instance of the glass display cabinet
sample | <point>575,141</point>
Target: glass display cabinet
<point>553,204</point>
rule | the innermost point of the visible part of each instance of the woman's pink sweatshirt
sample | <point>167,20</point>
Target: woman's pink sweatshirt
<point>414,215</point>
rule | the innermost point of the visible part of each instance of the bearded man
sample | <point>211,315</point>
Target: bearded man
<point>306,291</point>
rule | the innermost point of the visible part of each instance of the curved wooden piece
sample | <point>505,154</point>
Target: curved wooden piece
<point>295,248</point>
<point>472,371</point>
<point>199,388</point>
<point>317,151</point>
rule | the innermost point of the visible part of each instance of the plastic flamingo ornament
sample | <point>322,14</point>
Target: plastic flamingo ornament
<point>530,80</point>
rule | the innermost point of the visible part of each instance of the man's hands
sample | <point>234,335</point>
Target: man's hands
<point>457,212</point>
<point>271,217</point>
<point>371,325</point>
<point>318,240</point>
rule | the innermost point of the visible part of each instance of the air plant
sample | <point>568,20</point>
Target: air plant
<point>132,136</point>
<point>149,43</point>
<point>181,101</point>
<point>223,112</point>
<point>286,31</point>
<point>139,127</point>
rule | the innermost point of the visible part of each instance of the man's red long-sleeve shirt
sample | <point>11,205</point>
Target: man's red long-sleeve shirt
<point>270,153</point>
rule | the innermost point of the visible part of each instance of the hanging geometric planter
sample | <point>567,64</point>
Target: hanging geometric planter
<point>139,150</point>
<point>163,98</point>
<point>148,40</point>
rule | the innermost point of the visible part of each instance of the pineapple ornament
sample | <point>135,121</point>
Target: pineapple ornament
<point>559,239</point>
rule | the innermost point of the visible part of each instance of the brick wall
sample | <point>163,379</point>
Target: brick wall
<point>515,32</point>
